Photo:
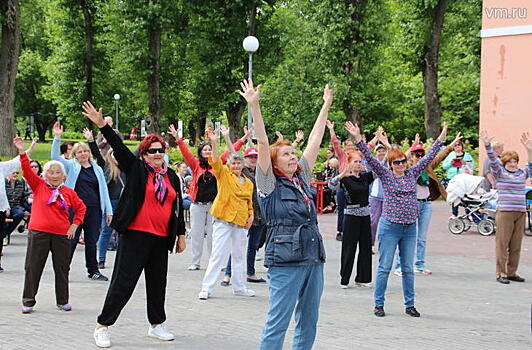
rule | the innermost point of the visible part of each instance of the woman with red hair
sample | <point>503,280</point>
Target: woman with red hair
<point>294,253</point>
<point>397,226</point>
<point>357,224</point>
<point>149,219</point>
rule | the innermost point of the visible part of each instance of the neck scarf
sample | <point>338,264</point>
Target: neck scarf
<point>158,180</point>
<point>56,196</point>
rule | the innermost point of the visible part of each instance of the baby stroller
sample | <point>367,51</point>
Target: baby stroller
<point>465,191</point>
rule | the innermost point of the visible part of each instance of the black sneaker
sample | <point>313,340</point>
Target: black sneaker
<point>98,277</point>
<point>412,311</point>
<point>503,280</point>
<point>101,264</point>
<point>379,311</point>
<point>339,236</point>
<point>516,278</point>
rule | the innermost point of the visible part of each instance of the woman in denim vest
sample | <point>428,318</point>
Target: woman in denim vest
<point>294,246</point>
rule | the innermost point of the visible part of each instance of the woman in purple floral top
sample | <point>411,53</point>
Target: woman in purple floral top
<point>397,226</point>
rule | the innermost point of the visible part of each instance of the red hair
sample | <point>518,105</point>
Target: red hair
<point>148,140</point>
<point>351,155</point>
<point>274,152</point>
<point>395,154</point>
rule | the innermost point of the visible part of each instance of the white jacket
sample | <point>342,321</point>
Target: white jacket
<point>6,168</point>
<point>460,185</point>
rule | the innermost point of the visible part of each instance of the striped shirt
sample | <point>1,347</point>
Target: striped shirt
<point>400,195</point>
<point>510,184</point>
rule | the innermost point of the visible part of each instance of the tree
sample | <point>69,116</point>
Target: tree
<point>9,54</point>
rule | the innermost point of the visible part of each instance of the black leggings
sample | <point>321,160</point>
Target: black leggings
<point>357,231</point>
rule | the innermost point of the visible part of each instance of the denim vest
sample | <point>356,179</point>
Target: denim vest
<point>292,236</point>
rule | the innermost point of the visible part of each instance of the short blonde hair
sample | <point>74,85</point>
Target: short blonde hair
<point>77,146</point>
<point>508,156</point>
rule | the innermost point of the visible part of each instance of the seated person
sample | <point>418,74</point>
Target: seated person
<point>17,195</point>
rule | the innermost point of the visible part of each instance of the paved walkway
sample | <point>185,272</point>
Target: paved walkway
<point>461,305</point>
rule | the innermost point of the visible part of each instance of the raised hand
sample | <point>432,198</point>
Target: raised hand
<point>18,142</point>
<point>485,138</point>
<point>327,95</point>
<point>224,131</point>
<point>32,146</point>
<point>96,116</point>
<point>211,135</point>
<point>88,134</point>
<point>458,138</point>
<point>58,130</point>
<point>250,94</point>
<point>280,136</point>
<point>299,135</point>
<point>443,133</point>
<point>353,130</point>
<point>417,139</point>
<point>526,140</point>
<point>329,124</point>
<point>173,131</point>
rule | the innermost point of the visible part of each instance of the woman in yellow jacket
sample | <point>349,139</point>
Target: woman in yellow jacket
<point>233,215</point>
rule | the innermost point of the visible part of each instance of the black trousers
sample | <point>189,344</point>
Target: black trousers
<point>137,252</point>
<point>40,244</point>
<point>2,231</point>
<point>357,231</point>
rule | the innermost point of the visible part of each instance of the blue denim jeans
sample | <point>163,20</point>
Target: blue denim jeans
<point>105,235</point>
<point>91,233</point>
<point>253,245</point>
<point>293,287</point>
<point>391,236</point>
<point>17,214</point>
<point>422,228</point>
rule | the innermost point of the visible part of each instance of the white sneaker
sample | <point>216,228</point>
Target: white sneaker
<point>101,337</point>
<point>365,285</point>
<point>344,286</point>
<point>204,295</point>
<point>244,293</point>
<point>193,267</point>
<point>160,332</point>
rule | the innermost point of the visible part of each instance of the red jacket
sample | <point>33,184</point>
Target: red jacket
<point>50,218</point>
<point>193,163</point>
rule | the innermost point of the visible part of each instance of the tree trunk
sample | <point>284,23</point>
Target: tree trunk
<point>88,61</point>
<point>352,114</point>
<point>42,123</point>
<point>433,109</point>
<point>202,121</point>
<point>154,77</point>
<point>234,117</point>
<point>9,53</point>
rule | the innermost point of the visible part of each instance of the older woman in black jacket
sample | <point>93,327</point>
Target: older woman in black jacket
<point>148,221</point>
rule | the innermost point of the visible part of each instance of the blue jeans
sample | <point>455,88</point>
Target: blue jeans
<point>17,214</point>
<point>392,235</point>
<point>293,287</point>
<point>105,235</point>
<point>91,232</point>
<point>423,221</point>
<point>340,206</point>
<point>253,245</point>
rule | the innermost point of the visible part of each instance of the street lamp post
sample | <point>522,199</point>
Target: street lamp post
<point>250,44</point>
<point>117,104</point>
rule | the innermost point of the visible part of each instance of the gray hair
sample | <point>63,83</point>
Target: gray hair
<point>51,163</point>
<point>235,156</point>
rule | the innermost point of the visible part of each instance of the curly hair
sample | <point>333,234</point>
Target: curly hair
<point>508,156</point>
<point>148,140</point>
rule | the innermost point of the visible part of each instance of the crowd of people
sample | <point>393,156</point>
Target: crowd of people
<point>240,202</point>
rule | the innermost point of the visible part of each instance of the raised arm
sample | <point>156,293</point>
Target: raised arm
<point>214,143</point>
<point>32,179</point>
<point>299,137</point>
<point>316,135</point>
<point>251,95</point>
<point>495,166</point>
<point>188,157</point>
<point>526,141</point>
<point>123,155</point>
<point>443,154</point>
<point>342,156</point>
<point>424,162</point>
<point>94,147</point>
<point>56,146</point>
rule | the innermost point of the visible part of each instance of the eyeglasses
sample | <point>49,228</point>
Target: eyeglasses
<point>399,162</point>
<point>419,154</point>
<point>155,150</point>
<point>34,166</point>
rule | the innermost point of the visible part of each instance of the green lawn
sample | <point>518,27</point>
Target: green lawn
<point>42,151</point>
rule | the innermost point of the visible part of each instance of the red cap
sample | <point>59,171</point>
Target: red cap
<point>252,151</point>
<point>417,147</point>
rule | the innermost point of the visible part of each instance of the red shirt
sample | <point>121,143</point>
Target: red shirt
<point>154,217</point>
<point>50,218</point>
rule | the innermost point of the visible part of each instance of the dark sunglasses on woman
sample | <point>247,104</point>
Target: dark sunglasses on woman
<point>398,162</point>
<point>155,150</point>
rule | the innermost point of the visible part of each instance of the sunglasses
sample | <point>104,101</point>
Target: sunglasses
<point>419,154</point>
<point>155,150</point>
<point>34,166</point>
<point>399,162</point>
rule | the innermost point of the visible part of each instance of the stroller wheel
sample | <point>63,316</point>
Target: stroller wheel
<point>21,229</point>
<point>456,226</point>
<point>467,224</point>
<point>486,227</point>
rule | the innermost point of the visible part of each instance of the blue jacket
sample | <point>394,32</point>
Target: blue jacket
<point>73,168</point>
<point>292,237</point>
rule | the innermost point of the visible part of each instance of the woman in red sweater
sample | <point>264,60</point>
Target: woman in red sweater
<point>49,228</point>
